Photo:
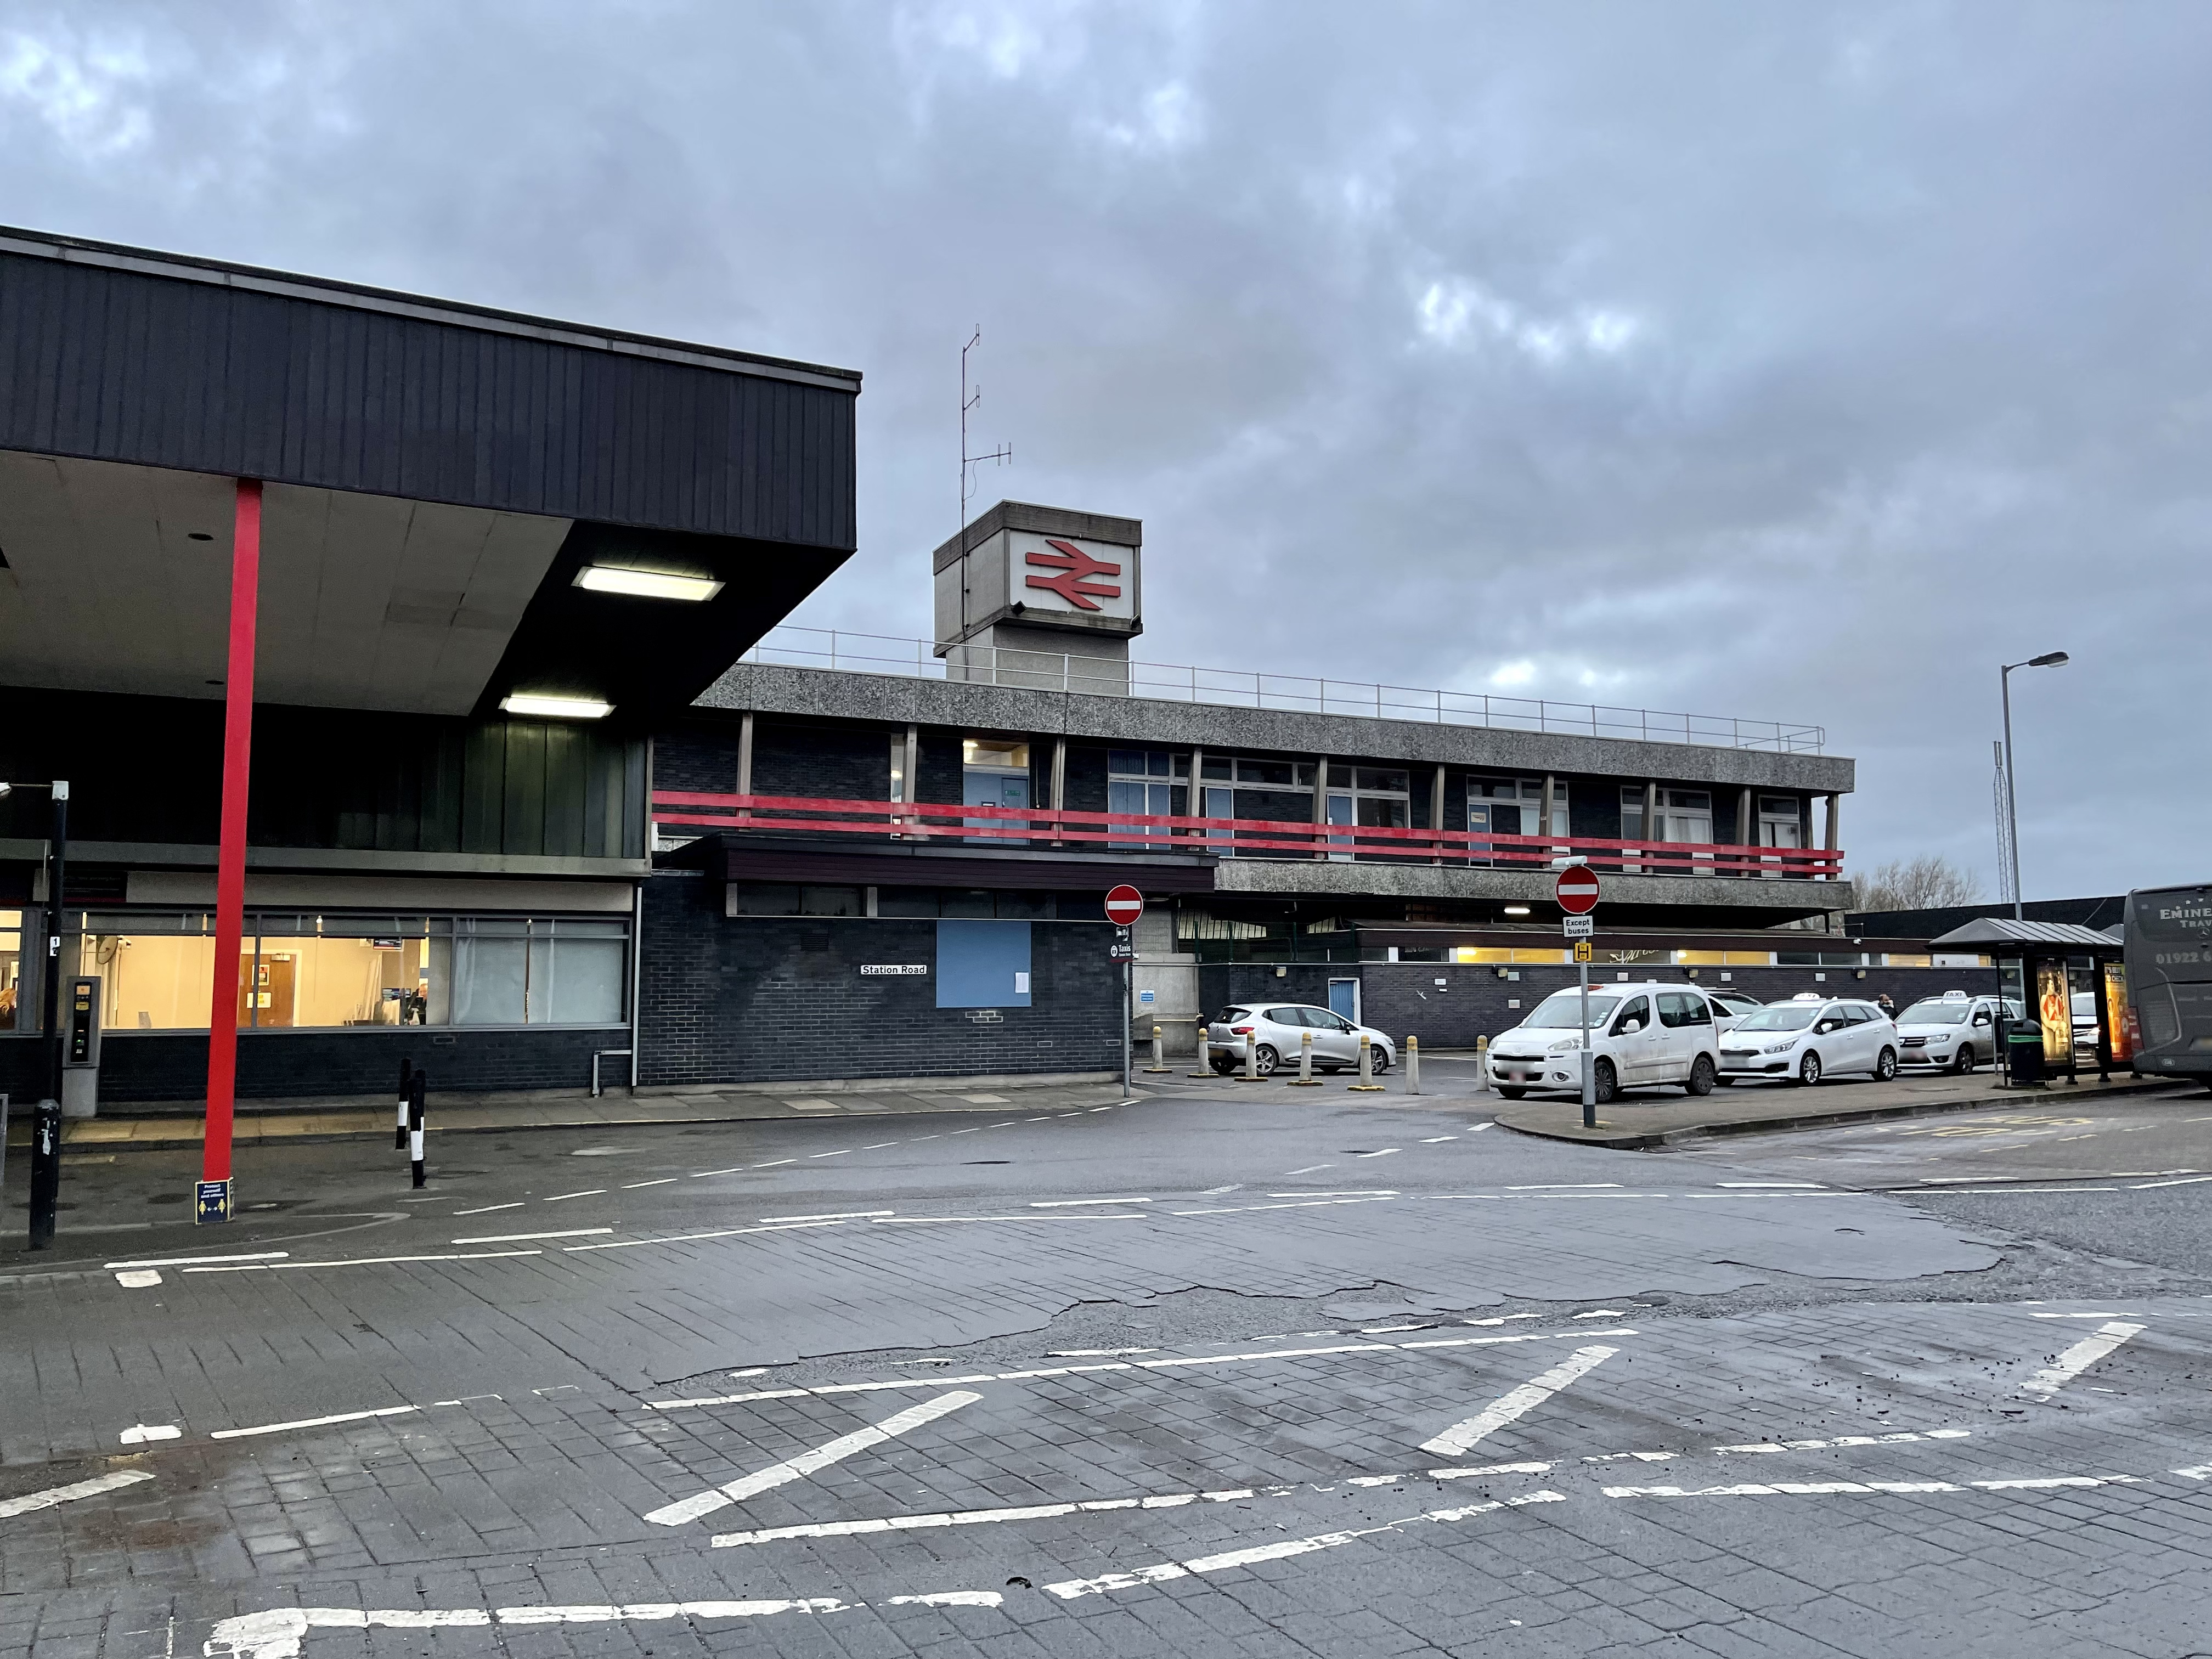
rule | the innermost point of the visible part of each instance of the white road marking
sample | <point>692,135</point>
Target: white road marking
<point>1078,1203</point>
<point>139,1433</point>
<point>827,1388</point>
<point>1813,1185</point>
<point>1898,1439</point>
<point>1308,1169</point>
<point>487,1208</point>
<point>2190,1180</point>
<point>1302,1204</point>
<point>1560,1185</point>
<point>687,1238</point>
<point>1344,1192</point>
<point>1238,1185</point>
<point>735,1169</point>
<point>1603,1313</point>
<point>777,1474</point>
<point>833,1215</point>
<point>772,1163</point>
<point>1432,1139</point>
<point>277,1632</point>
<point>632,1186</point>
<point>196,1260</point>
<point>588,1192</point>
<point>2078,1358</point>
<point>364,1261</point>
<point>2005,1192</point>
<point>973,1517</point>
<point>924,1220</point>
<point>1093,1353</point>
<point>1462,1435</point>
<point>840,1153</point>
<point>1472,1127</point>
<point>877,1147</point>
<point>1231,1560</point>
<point>138,1278</point>
<point>312,1423</point>
<point>511,1238</point>
<point>2201,1472</point>
<point>70,1493</point>
<point>1638,1456</point>
<point>948,1598</point>
<point>1836,1488</point>
<point>1384,1153</point>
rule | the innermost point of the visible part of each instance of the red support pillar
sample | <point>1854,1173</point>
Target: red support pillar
<point>214,1195</point>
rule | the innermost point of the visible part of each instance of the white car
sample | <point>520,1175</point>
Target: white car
<point>1270,1032</point>
<point>1810,1037</point>
<point>1953,1032</point>
<point>1640,1035</point>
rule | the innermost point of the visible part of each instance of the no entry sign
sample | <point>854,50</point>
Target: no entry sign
<point>1577,889</point>
<point>1124,905</point>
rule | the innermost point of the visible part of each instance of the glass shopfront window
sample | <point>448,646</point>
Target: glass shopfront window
<point>11,971</point>
<point>310,971</point>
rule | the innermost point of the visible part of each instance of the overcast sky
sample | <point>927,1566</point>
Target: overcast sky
<point>1794,363</point>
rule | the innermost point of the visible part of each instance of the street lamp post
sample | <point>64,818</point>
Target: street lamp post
<point>2048,659</point>
<point>46,1126</point>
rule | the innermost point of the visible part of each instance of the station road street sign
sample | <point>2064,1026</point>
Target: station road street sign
<point>1124,905</point>
<point>1577,889</point>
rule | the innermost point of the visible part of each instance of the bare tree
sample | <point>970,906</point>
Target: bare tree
<point>1928,883</point>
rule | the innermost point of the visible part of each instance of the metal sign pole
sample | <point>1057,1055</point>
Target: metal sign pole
<point>1590,1076</point>
<point>1125,1031</point>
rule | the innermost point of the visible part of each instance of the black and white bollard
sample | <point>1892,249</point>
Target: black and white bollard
<point>400,1122</point>
<point>1306,1079</point>
<point>1412,1065</point>
<point>415,1091</point>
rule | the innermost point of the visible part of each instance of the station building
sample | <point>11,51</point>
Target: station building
<point>538,787</point>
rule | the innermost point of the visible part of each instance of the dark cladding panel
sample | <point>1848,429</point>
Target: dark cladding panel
<point>124,366</point>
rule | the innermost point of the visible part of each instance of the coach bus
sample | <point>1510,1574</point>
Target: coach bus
<point>2169,965</point>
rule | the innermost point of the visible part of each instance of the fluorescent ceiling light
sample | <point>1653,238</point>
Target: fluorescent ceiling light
<point>576,708</point>
<point>647,584</point>
<point>1517,909</point>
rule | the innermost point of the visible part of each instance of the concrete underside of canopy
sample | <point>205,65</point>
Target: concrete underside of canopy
<point>366,601</point>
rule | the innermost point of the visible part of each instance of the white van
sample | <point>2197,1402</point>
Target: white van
<point>1640,1035</point>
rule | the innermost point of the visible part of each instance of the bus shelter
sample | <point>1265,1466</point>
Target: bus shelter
<point>2072,983</point>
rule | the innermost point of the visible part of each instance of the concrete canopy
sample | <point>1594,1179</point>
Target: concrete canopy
<point>435,478</point>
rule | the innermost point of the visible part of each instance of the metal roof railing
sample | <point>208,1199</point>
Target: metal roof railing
<point>790,646</point>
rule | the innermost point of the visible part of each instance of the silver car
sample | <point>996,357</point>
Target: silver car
<point>1270,1032</point>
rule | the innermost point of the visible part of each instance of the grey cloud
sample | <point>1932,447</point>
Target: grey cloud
<point>1792,362</point>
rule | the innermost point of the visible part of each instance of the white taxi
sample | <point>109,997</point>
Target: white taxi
<point>1639,1035</point>
<point>1810,1037</point>
<point>1954,1032</point>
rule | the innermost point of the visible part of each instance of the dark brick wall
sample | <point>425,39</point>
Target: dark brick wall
<point>1402,998</point>
<point>750,999</point>
<point>844,762</point>
<point>277,1064</point>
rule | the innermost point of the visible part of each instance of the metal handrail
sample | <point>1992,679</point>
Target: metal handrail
<point>1163,833</point>
<point>792,647</point>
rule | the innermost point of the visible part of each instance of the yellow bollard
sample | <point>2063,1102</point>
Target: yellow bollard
<point>1367,1084</point>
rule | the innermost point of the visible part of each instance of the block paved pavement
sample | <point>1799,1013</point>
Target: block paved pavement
<point>1805,1419</point>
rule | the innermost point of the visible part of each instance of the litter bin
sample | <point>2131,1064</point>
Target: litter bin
<point>2024,1055</point>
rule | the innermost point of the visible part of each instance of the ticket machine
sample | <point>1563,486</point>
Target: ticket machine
<point>81,1047</point>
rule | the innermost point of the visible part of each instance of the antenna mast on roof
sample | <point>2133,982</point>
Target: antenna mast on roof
<point>968,463</point>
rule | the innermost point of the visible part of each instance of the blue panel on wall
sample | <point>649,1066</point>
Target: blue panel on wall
<point>983,964</point>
